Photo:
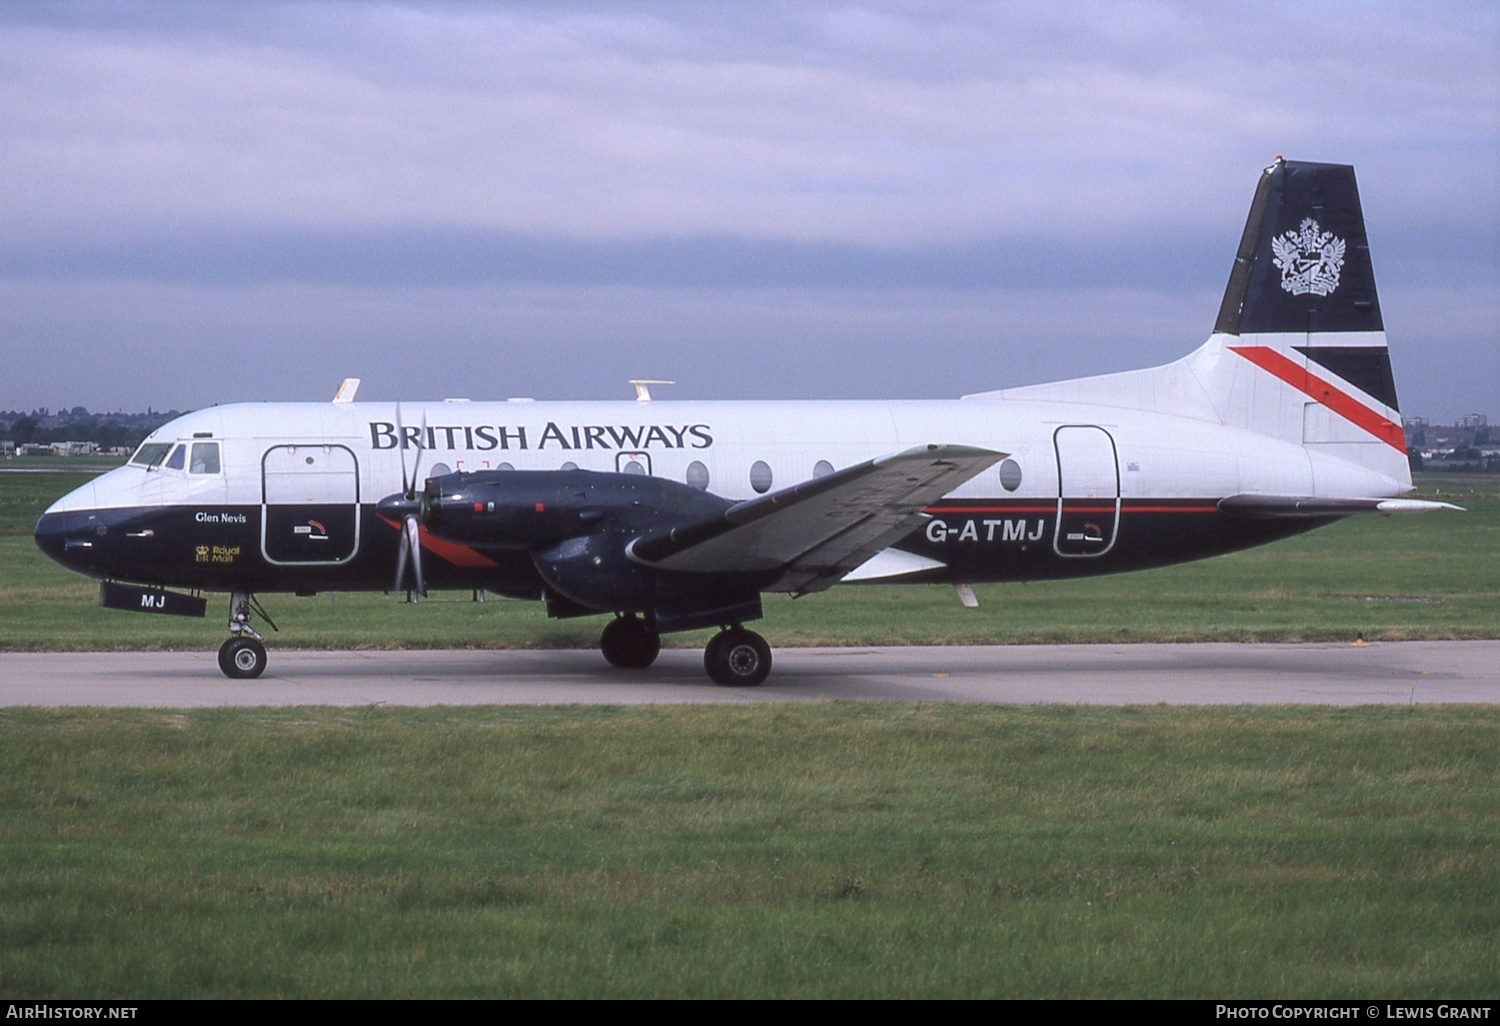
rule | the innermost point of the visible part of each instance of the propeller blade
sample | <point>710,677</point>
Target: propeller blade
<point>406,485</point>
<point>409,481</point>
<point>412,539</point>
<point>401,562</point>
<point>416,467</point>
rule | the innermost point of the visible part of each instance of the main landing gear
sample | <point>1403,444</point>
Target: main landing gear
<point>243,656</point>
<point>735,657</point>
<point>629,644</point>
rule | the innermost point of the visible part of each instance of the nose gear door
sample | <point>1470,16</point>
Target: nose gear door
<point>309,504</point>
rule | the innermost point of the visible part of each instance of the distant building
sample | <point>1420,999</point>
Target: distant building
<point>75,448</point>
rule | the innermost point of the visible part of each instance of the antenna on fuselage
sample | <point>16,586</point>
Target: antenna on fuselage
<point>346,391</point>
<point>643,387</point>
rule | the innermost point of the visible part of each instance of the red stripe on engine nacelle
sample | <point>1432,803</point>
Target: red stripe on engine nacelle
<point>1340,402</point>
<point>453,552</point>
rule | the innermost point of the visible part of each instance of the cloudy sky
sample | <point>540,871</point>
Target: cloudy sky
<point>208,203</point>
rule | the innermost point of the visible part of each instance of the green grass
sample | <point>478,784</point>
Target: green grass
<point>1426,576</point>
<point>830,850</point>
<point>833,850</point>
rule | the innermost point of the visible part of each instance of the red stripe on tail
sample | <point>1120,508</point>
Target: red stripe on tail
<point>1340,402</point>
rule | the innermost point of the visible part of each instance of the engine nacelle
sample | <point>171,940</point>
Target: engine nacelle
<point>576,525</point>
<point>532,509</point>
<point>593,570</point>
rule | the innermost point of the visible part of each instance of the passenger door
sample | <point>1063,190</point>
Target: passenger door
<point>1088,491</point>
<point>309,504</point>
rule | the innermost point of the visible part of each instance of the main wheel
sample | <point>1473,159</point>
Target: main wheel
<point>242,658</point>
<point>629,644</point>
<point>737,658</point>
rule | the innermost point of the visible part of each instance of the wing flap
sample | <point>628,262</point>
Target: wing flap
<point>819,530</point>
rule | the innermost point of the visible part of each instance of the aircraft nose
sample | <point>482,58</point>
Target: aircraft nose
<point>67,538</point>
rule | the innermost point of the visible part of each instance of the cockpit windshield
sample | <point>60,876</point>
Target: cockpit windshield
<point>174,456</point>
<point>150,454</point>
<point>205,458</point>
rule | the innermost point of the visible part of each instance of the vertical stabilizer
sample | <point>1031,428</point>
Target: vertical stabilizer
<point>1299,352</point>
<point>1303,264</point>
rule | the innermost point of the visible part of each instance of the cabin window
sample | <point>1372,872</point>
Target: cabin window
<point>177,459</point>
<point>1010,475</point>
<point>760,476</point>
<point>697,475</point>
<point>822,469</point>
<point>205,458</point>
<point>634,467</point>
<point>504,466</point>
<point>570,465</point>
<point>151,453</point>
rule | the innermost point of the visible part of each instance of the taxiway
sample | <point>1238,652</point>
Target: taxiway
<point>1393,673</point>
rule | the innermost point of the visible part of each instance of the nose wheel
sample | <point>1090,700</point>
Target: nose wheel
<point>737,658</point>
<point>242,658</point>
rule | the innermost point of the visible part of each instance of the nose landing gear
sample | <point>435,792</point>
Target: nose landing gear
<point>243,656</point>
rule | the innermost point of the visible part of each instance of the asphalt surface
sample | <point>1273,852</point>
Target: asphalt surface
<point>1392,673</point>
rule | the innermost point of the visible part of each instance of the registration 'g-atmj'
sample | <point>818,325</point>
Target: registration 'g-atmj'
<point>675,516</point>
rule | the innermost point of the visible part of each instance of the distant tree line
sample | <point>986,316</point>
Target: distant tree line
<point>107,430</point>
<point>1457,447</point>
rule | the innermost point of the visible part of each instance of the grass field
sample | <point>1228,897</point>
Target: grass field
<point>815,851</point>
<point>798,851</point>
<point>1427,576</point>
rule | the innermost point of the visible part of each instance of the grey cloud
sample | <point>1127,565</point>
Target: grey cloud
<point>206,202</point>
<point>882,124</point>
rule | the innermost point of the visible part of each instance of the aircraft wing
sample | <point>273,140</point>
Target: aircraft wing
<point>817,531</point>
<point>1303,506</point>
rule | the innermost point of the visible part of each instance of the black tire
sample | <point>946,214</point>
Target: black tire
<point>242,658</point>
<point>737,658</point>
<point>629,644</point>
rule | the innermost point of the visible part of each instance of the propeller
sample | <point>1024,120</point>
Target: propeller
<point>410,510</point>
<point>409,483</point>
<point>411,546</point>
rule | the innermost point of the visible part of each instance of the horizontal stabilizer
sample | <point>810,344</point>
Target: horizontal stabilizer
<point>818,531</point>
<point>1304,506</point>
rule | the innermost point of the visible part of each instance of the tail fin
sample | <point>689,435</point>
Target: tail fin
<point>1299,350</point>
<point>1303,265</point>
